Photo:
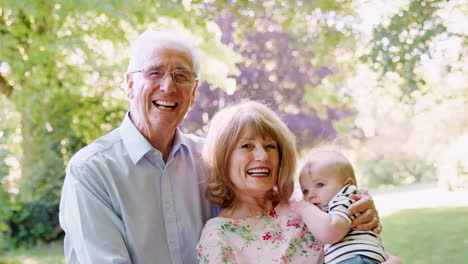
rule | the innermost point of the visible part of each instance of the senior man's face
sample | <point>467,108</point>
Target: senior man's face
<point>164,102</point>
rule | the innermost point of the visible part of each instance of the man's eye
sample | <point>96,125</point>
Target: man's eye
<point>181,77</point>
<point>156,74</point>
<point>320,185</point>
<point>305,191</point>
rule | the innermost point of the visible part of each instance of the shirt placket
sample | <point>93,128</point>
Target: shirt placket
<point>170,218</point>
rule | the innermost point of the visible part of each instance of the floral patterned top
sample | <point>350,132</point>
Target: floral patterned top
<point>277,237</point>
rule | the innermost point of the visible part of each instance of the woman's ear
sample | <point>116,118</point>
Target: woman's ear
<point>350,181</point>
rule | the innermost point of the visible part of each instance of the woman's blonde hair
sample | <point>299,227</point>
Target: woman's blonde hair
<point>223,133</point>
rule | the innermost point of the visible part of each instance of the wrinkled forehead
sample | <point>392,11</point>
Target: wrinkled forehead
<point>164,55</point>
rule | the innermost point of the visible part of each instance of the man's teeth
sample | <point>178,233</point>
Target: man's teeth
<point>259,171</point>
<point>164,104</point>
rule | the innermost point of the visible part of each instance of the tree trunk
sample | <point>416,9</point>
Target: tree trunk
<point>27,155</point>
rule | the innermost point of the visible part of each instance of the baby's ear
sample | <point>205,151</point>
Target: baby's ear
<point>350,181</point>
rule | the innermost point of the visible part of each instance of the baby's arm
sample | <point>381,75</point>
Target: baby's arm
<point>328,228</point>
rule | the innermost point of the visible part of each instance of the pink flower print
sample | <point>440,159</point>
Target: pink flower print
<point>272,213</point>
<point>228,255</point>
<point>199,251</point>
<point>315,246</point>
<point>296,222</point>
<point>277,237</point>
<point>233,223</point>
<point>286,259</point>
<point>267,236</point>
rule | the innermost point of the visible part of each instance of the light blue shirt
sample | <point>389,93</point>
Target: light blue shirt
<point>121,203</point>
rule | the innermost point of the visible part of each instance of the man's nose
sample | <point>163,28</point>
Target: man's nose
<point>167,84</point>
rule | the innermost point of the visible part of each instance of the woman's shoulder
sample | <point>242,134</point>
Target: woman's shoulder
<point>284,209</point>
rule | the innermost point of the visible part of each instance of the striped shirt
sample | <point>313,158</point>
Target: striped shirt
<point>355,243</point>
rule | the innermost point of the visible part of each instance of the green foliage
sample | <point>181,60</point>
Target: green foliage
<point>427,236</point>
<point>387,172</point>
<point>6,204</point>
<point>33,222</point>
<point>399,46</point>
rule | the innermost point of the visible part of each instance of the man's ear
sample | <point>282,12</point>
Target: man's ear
<point>194,92</point>
<point>129,80</point>
<point>350,181</point>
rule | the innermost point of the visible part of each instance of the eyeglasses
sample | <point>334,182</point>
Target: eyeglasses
<point>179,76</point>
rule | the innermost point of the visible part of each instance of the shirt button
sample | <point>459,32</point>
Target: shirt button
<point>172,239</point>
<point>168,205</point>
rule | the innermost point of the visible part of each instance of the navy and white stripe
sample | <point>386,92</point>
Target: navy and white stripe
<point>355,243</point>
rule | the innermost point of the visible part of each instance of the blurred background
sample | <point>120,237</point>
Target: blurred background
<point>383,81</point>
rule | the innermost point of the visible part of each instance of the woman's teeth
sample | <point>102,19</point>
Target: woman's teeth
<point>261,172</point>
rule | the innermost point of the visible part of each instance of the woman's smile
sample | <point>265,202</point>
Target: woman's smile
<point>253,163</point>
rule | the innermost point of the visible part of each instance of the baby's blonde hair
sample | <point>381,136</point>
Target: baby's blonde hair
<point>327,157</point>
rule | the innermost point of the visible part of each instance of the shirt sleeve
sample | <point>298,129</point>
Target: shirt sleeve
<point>340,203</point>
<point>93,231</point>
<point>213,248</point>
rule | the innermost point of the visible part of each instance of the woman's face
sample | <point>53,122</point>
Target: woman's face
<point>253,164</point>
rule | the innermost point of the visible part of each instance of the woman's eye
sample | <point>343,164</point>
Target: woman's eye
<point>305,191</point>
<point>271,146</point>
<point>245,146</point>
<point>320,185</point>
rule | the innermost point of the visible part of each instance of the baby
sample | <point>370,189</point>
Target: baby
<point>327,179</point>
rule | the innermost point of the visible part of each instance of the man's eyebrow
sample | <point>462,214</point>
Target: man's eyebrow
<point>157,67</point>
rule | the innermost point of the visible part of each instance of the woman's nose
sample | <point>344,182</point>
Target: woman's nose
<point>260,153</point>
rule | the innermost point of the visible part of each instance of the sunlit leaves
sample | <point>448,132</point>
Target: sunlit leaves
<point>398,47</point>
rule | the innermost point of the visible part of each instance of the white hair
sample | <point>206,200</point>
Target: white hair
<point>153,39</point>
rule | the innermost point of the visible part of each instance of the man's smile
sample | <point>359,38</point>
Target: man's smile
<point>160,104</point>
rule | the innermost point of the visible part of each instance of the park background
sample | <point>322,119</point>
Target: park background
<point>383,81</point>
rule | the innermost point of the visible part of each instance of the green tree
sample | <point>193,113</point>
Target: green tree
<point>61,68</point>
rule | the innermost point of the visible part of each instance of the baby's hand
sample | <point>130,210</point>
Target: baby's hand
<point>299,206</point>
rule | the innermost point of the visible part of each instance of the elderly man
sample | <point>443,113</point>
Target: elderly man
<point>135,194</point>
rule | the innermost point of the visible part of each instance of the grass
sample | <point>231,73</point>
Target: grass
<point>39,255</point>
<point>417,236</point>
<point>428,235</point>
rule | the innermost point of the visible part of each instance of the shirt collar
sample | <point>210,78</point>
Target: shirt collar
<point>137,145</point>
<point>179,140</point>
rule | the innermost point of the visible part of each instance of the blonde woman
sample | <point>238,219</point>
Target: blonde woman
<point>251,157</point>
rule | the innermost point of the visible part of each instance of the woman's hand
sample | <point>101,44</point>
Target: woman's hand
<point>369,217</point>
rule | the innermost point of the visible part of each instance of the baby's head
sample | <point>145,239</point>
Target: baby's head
<point>323,175</point>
